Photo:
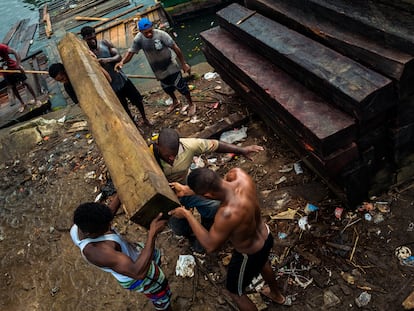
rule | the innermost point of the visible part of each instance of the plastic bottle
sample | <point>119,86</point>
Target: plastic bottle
<point>363,299</point>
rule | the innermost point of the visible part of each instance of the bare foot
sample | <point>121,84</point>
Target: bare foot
<point>192,110</point>
<point>172,107</point>
<point>277,298</point>
<point>148,122</point>
<point>184,109</point>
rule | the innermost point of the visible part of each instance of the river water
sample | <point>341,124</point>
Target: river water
<point>187,32</point>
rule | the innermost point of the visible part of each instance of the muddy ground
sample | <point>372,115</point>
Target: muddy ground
<point>325,265</point>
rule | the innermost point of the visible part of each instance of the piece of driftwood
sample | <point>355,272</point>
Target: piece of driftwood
<point>141,185</point>
<point>354,88</point>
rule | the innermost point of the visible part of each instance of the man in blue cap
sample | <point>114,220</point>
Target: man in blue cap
<point>158,46</point>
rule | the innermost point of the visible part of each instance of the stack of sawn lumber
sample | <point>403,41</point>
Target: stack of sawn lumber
<point>335,84</point>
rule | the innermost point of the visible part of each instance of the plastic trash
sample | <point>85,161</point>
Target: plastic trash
<point>298,168</point>
<point>338,212</point>
<point>185,266</point>
<point>363,299</point>
<point>210,75</point>
<point>303,223</point>
<point>310,208</point>
<point>234,135</point>
<point>402,252</point>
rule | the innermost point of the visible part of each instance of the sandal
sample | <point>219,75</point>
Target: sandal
<point>22,108</point>
<point>172,107</point>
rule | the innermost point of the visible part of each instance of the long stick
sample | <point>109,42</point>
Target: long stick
<point>46,72</point>
<point>141,76</point>
<point>26,71</point>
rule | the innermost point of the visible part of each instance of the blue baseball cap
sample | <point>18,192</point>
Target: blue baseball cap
<point>144,24</point>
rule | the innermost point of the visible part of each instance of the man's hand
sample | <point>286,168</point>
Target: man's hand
<point>118,66</point>
<point>248,150</point>
<point>157,224</point>
<point>181,190</point>
<point>179,212</point>
<point>186,68</point>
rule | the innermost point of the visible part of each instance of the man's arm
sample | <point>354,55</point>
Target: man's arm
<point>186,67</point>
<point>127,57</point>
<point>244,151</point>
<point>115,56</point>
<point>219,232</point>
<point>103,255</point>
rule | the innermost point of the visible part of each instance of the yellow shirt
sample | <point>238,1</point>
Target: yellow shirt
<point>189,147</point>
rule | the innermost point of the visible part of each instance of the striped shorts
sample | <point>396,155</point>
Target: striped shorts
<point>154,286</point>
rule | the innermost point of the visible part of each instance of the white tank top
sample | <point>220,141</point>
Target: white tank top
<point>127,248</point>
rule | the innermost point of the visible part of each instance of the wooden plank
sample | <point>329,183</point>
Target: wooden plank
<point>320,126</point>
<point>392,63</point>
<point>17,38</point>
<point>122,41</point>
<point>89,18</point>
<point>141,185</point>
<point>119,15</point>
<point>113,35</point>
<point>11,32</point>
<point>354,88</point>
<point>27,40</point>
<point>214,131</point>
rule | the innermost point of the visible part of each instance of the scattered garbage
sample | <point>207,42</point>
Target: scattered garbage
<point>280,180</point>
<point>286,168</point>
<point>410,227</point>
<point>367,216</point>
<point>303,223</point>
<point>210,75</point>
<point>310,208</point>
<point>363,299</point>
<point>185,266</point>
<point>330,299</point>
<point>298,168</point>
<point>338,212</point>
<point>234,135</point>
<point>168,101</point>
<point>289,214</point>
<point>281,235</point>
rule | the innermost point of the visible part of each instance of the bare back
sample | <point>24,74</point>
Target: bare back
<point>240,213</point>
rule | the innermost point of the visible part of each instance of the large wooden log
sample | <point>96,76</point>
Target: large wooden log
<point>375,19</point>
<point>319,126</point>
<point>141,185</point>
<point>354,88</point>
<point>387,60</point>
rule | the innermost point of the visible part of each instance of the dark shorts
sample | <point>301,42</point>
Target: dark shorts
<point>129,91</point>
<point>175,82</point>
<point>15,78</point>
<point>243,268</point>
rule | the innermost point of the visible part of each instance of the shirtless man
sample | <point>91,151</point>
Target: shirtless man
<point>238,220</point>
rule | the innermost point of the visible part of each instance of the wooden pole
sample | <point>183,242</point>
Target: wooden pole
<point>87,18</point>
<point>43,72</point>
<point>140,183</point>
